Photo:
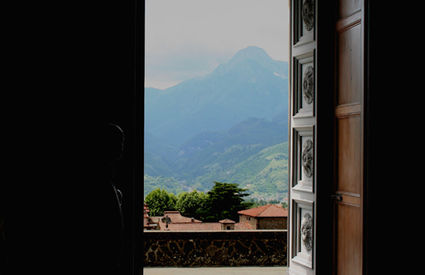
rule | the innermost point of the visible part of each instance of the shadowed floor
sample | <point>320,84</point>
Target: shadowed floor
<point>255,270</point>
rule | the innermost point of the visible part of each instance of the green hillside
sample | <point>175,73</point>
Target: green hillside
<point>230,125</point>
<point>265,173</point>
<point>168,183</point>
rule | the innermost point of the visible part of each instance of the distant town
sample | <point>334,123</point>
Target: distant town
<point>222,208</point>
<point>269,216</point>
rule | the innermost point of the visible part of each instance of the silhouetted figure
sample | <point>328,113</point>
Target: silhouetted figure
<point>65,216</point>
<point>114,145</point>
<point>101,237</point>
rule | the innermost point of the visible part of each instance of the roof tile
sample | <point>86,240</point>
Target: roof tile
<point>269,210</point>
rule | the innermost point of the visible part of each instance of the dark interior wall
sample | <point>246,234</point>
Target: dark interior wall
<point>393,112</point>
<point>70,71</point>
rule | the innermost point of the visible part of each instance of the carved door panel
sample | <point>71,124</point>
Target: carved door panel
<point>327,45</point>
<point>302,162</point>
<point>348,196</point>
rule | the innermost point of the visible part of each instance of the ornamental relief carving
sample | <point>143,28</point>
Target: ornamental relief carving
<point>308,84</point>
<point>307,231</point>
<point>307,158</point>
<point>308,14</point>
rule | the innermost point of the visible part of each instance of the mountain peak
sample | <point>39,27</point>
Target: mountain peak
<point>251,52</point>
<point>251,60</point>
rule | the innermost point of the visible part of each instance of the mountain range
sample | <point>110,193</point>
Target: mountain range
<point>215,127</point>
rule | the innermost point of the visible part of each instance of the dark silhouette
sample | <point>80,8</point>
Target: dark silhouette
<point>113,224</point>
<point>97,207</point>
<point>64,216</point>
<point>75,76</point>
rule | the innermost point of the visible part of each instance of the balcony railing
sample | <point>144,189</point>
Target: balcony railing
<point>215,248</point>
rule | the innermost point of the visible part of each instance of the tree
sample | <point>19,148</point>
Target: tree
<point>224,201</point>
<point>256,202</point>
<point>159,200</point>
<point>191,204</point>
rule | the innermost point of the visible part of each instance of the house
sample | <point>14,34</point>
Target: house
<point>227,224</point>
<point>148,223</point>
<point>174,221</point>
<point>270,216</point>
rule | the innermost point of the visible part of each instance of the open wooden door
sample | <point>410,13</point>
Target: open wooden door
<point>303,137</point>
<point>349,114</point>
<point>326,142</point>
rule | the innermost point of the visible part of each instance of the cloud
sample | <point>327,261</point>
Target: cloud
<point>191,37</point>
<point>166,69</point>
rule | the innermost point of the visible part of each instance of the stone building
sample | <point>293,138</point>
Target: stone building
<point>227,224</point>
<point>264,217</point>
<point>269,216</point>
<point>174,221</point>
<point>148,223</point>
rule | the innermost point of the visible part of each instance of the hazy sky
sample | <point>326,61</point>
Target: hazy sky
<point>188,38</point>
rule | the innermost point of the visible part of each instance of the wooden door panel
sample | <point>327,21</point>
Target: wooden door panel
<point>349,116</point>
<point>349,230</point>
<point>348,7</point>
<point>309,46</point>
<point>302,166</point>
<point>349,154</point>
<point>349,65</point>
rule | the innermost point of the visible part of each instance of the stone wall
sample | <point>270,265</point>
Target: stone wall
<point>250,220</point>
<point>215,248</point>
<point>268,223</point>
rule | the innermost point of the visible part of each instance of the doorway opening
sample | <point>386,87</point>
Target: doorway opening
<point>216,120</point>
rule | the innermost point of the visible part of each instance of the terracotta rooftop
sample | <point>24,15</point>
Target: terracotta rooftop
<point>176,217</point>
<point>226,221</point>
<point>179,222</point>
<point>269,210</point>
<point>193,226</point>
